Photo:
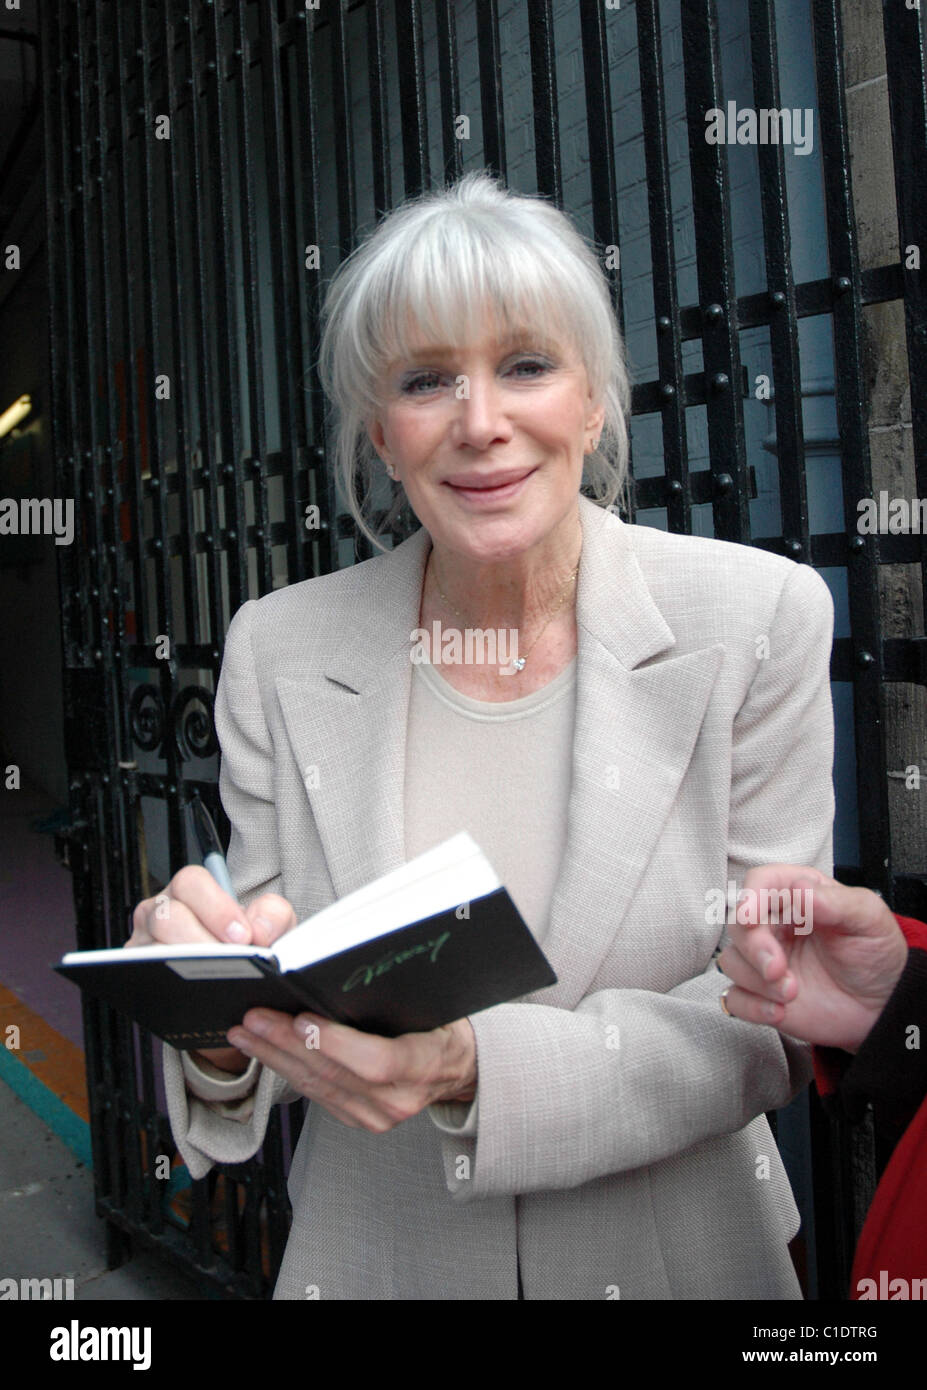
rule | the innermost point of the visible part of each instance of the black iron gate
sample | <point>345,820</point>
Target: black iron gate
<point>208,166</point>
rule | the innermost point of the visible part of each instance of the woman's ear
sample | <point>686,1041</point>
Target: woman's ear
<point>376,437</point>
<point>595,419</point>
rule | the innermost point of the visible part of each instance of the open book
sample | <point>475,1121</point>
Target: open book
<point>429,942</point>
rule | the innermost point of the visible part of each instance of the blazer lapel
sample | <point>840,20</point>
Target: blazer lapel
<point>347,723</point>
<point>636,728</point>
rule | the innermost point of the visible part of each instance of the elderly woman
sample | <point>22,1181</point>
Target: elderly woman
<point>661,722</point>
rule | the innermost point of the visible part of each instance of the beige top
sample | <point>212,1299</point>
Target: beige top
<point>500,770</point>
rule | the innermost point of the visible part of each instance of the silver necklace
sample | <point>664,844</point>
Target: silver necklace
<point>518,662</point>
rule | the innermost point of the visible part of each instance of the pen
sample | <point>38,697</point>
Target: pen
<point>210,847</point>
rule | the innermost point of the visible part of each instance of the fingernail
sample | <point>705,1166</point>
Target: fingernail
<point>771,1010</point>
<point>237,931</point>
<point>765,958</point>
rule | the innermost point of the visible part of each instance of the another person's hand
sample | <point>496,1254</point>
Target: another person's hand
<point>826,986</point>
<point>194,908</point>
<point>364,1080</point>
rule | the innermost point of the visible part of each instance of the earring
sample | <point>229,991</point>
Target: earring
<point>391,471</point>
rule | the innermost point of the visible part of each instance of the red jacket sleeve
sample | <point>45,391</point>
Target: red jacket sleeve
<point>847,1082</point>
<point>890,1070</point>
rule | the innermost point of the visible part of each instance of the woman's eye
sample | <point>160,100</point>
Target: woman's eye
<point>424,381</point>
<point>533,364</point>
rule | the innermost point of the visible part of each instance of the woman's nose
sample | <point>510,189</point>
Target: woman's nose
<point>481,417</point>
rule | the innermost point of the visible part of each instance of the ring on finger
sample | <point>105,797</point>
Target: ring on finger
<point>724,994</point>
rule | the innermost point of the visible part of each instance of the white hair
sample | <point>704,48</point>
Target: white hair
<point>434,264</point>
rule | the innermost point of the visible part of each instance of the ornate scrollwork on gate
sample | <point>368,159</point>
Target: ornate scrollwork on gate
<point>193,723</point>
<point>146,717</point>
<point>190,721</point>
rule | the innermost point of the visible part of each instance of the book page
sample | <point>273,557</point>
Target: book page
<point>182,948</point>
<point>446,876</point>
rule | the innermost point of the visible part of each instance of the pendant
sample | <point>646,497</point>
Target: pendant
<point>519,662</point>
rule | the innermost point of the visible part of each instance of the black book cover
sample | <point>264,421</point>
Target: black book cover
<point>410,980</point>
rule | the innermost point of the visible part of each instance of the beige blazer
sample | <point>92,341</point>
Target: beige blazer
<point>621,1148</point>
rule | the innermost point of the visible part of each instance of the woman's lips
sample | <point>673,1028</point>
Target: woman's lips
<point>487,496</point>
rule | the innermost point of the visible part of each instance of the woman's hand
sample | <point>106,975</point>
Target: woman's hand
<point>194,908</point>
<point>827,984</point>
<point>364,1080</point>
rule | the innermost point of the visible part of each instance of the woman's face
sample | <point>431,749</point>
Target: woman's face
<point>515,414</point>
